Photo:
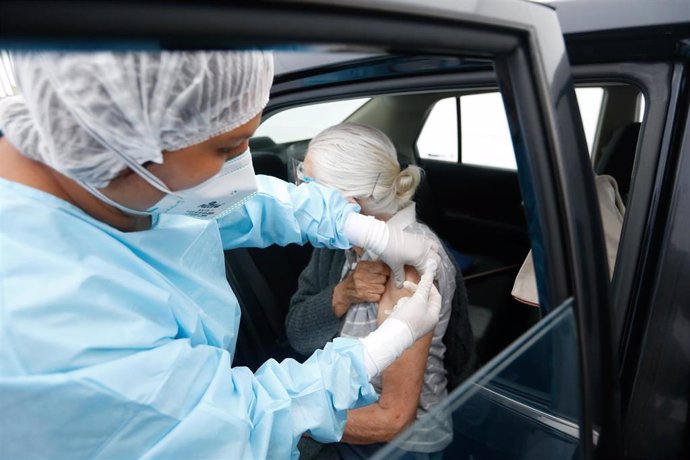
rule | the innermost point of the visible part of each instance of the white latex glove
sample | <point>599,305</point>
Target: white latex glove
<point>409,249</point>
<point>394,246</point>
<point>411,318</point>
<point>421,311</point>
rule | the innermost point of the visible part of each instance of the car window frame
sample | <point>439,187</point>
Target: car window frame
<point>659,82</point>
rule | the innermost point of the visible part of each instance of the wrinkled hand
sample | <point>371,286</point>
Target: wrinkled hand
<point>366,283</point>
<point>409,249</point>
<point>421,311</point>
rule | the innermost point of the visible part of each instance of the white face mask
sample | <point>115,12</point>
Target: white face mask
<point>234,184</point>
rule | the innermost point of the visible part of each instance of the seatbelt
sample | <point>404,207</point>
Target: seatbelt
<point>250,350</point>
<point>261,291</point>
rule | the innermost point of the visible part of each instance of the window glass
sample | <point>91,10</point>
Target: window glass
<point>307,121</point>
<point>523,404</point>
<point>485,134</point>
<point>438,139</point>
<point>589,100</point>
<point>640,108</point>
<point>7,81</point>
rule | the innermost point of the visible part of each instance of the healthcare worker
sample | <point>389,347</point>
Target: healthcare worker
<point>123,176</point>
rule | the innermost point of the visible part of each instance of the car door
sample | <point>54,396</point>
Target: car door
<point>524,44</point>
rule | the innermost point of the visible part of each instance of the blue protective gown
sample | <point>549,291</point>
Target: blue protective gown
<point>119,345</point>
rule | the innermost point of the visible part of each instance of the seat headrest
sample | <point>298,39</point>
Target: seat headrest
<point>269,164</point>
<point>261,143</point>
<point>618,156</point>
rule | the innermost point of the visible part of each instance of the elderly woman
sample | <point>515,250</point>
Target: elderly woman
<point>122,178</point>
<point>347,293</point>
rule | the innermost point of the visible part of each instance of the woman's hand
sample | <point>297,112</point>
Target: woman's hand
<point>366,283</point>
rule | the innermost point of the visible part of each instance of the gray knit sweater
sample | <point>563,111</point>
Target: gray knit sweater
<point>310,322</point>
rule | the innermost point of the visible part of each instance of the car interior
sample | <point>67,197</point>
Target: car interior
<point>473,203</point>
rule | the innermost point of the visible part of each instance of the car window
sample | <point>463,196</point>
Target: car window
<point>305,122</point>
<point>7,81</point>
<point>438,139</point>
<point>486,138</point>
<point>639,113</point>
<point>482,130</point>
<point>527,396</point>
<point>589,100</point>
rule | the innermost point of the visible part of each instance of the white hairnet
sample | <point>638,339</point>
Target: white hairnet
<point>83,113</point>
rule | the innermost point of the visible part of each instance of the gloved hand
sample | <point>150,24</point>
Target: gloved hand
<point>411,318</point>
<point>409,249</point>
<point>421,311</point>
<point>395,247</point>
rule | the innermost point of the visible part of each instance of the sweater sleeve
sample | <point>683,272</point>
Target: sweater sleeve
<point>310,322</point>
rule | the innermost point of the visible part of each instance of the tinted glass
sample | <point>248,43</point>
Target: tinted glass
<point>484,133</point>
<point>522,405</point>
<point>8,85</point>
<point>486,137</point>
<point>438,139</point>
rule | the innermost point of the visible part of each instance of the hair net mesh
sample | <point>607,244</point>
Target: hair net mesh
<point>83,113</point>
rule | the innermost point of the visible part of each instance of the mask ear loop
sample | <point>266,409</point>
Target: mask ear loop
<point>111,202</point>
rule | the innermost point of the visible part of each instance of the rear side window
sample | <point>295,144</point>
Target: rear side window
<point>307,121</point>
<point>486,137</point>
<point>473,129</point>
<point>589,100</point>
<point>7,82</point>
<point>439,137</point>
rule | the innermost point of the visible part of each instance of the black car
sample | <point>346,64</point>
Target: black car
<point>484,96</point>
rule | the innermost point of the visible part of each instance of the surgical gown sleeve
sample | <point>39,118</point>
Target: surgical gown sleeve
<point>282,213</point>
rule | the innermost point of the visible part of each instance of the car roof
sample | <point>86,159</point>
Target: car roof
<point>575,17</point>
<point>580,16</point>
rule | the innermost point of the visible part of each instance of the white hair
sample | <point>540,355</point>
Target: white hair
<point>361,162</point>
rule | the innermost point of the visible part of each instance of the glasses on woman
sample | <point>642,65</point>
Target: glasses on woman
<point>298,174</point>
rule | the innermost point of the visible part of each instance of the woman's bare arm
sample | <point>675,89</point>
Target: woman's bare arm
<point>401,384</point>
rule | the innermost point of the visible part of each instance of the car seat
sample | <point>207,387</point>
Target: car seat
<point>460,359</point>
<point>269,164</point>
<point>618,156</point>
<point>427,209</point>
<point>264,280</point>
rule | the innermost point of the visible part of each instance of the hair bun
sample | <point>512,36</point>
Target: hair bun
<point>406,183</point>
